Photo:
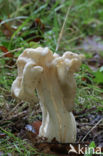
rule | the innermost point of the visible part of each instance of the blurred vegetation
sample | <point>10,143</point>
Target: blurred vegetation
<point>31,23</point>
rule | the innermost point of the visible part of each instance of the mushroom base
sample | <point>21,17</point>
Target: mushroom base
<point>64,132</point>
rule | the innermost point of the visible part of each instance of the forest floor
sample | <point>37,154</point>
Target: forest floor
<point>29,24</point>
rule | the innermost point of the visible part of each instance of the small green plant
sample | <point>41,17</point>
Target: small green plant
<point>91,146</point>
<point>14,145</point>
<point>99,76</point>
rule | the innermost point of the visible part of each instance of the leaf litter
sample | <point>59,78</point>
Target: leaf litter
<point>20,126</point>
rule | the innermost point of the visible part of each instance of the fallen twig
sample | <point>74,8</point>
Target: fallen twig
<point>12,19</point>
<point>13,110</point>
<point>92,129</point>
<point>85,110</point>
<point>62,29</point>
<point>12,51</point>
